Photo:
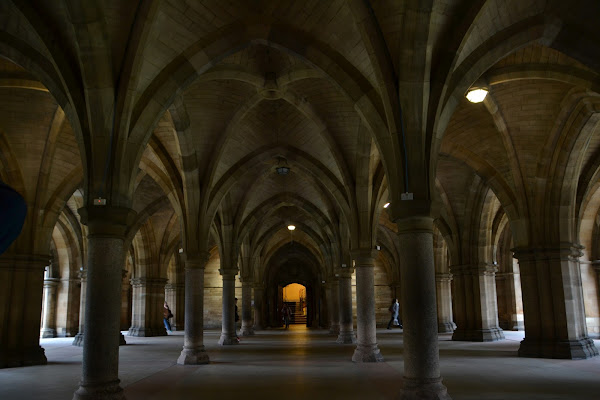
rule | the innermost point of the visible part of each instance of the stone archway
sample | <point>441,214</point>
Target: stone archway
<point>294,265</point>
<point>295,297</point>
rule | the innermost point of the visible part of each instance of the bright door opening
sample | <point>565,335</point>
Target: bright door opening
<point>294,296</point>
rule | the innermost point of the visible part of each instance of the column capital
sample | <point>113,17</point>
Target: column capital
<point>460,269</point>
<point>145,281</point>
<point>364,257</point>
<point>409,209</point>
<point>487,268</point>
<point>473,269</point>
<point>197,260</point>
<point>82,274</point>
<point>24,261</point>
<point>414,224</point>
<point>174,286</point>
<point>107,220</point>
<point>564,251</point>
<point>51,282</point>
<point>443,277</point>
<point>228,273</point>
<point>346,272</point>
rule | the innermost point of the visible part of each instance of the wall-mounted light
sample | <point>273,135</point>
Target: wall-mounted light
<point>181,250</point>
<point>291,227</point>
<point>386,205</point>
<point>476,95</point>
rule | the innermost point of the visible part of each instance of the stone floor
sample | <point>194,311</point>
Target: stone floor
<point>306,364</point>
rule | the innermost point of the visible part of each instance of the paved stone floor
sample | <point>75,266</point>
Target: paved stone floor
<point>306,364</point>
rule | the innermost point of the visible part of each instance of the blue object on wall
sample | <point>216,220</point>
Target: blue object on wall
<point>13,210</point>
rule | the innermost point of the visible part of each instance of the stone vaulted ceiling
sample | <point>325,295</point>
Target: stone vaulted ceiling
<point>212,96</point>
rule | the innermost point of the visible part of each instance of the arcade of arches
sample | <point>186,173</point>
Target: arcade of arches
<point>207,127</point>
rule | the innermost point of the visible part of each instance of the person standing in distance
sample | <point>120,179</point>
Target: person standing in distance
<point>394,308</point>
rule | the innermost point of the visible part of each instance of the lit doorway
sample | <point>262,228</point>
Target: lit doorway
<point>294,296</point>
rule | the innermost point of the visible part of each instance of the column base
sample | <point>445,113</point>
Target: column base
<point>48,333</point>
<point>346,338</point>
<point>367,354</point>
<point>567,349</point>
<point>446,327</point>
<point>78,340</point>
<point>193,357</point>
<point>23,358</point>
<point>104,391</point>
<point>226,339</point>
<point>334,330</point>
<point>478,335</point>
<point>146,332</point>
<point>424,389</point>
<point>247,331</point>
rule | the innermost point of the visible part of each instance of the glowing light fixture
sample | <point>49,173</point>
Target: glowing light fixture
<point>291,227</point>
<point>476,95</point>
<point>386,205</point>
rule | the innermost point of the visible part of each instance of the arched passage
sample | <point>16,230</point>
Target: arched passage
<point>294,297</point>
<point>294,264</point>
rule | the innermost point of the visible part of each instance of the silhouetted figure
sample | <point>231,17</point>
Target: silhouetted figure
<point>286,314</point>
<point>237,318</point>
<point>166,315</point>
<point>394,308</point>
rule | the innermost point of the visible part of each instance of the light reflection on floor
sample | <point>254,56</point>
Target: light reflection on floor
<point>303,363</point>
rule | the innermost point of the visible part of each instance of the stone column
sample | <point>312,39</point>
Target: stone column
<point>228,335</point>
<point>126,307</point>
<point>175,296</point>
<point>67,307</point>
<point>21,288</point>
<point>553,305</point>
<point>333,306</point>
<point>78,339</point>
<point>272,308</point>
<point>476,304</point>
<point>512,298</point>
<point>49,325</point>
<point>444,303</point>
<point>193,352</point>
<point>259,307</point>
<point>366,327</point>
<point>247,328</point>
<point>106,254</point>
<point>148,305</point>
<point>346,324</point>
<point>422,378</point>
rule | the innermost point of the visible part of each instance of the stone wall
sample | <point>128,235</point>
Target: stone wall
<point>213,294</point>
<point>383,296</point>
<point>589,281</point>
